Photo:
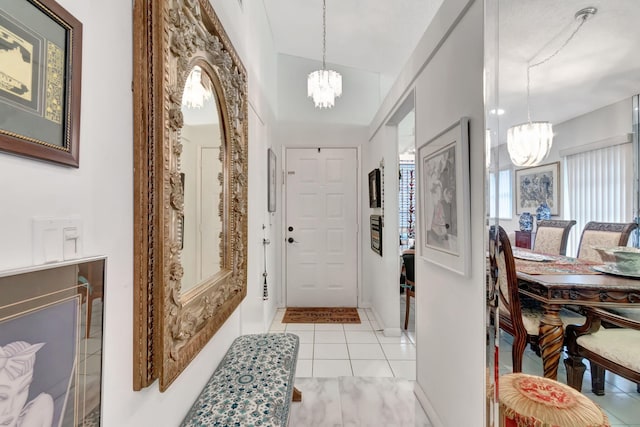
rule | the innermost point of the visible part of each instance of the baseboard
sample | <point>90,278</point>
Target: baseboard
<point>388,332</point>
<point>426,405</point>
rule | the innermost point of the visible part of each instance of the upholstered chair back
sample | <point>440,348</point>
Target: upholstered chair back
<point>552,235</point>
<point>603,234</point>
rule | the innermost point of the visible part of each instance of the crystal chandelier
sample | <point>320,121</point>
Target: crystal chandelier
<point>195,93</point>
<point>324,85</point>
<point>529,143</point>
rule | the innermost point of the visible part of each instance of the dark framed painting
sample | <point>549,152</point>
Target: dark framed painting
<point>537,185</point>
<point>271,180</point>
<point>51,343</point>
<point>40,80</point>
<point>375,201</point>
<point>375,223</point>
<point>445,198</point>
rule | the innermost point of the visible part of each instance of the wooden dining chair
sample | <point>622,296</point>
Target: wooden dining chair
<point>408,261</point>
<point>522,323</point>
<point>614,348</point>
<point>603,234</point>
<point>552,236</point>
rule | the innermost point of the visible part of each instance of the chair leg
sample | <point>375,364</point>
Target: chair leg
<point>575,371</point>
<point>517,350</point>
<point>597,379</point>
<point>408,304</point>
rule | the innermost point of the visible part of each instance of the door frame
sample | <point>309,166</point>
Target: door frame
<point>283,221</point>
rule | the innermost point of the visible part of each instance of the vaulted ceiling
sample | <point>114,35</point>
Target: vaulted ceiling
<point>599,66</point>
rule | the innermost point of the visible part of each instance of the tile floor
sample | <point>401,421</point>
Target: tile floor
<point>344,350</point>
<point>621,401</point>
<point>353,375</point>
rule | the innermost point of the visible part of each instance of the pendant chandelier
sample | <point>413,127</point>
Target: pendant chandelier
<point>529,143</point>
<point>324,85</point>
<point>196,89</point>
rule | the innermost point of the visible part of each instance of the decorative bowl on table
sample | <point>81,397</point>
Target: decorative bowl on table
<point>605,254</point>
<point>625,259</point>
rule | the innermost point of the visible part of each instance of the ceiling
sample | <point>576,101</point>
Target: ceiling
<point>599,66</point>
<point>372,35</point>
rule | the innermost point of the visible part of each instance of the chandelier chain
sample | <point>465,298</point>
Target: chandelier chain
<point>583,19</point>
<point>324,33</point>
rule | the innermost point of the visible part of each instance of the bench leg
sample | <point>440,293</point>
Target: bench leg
<point>297,395</point>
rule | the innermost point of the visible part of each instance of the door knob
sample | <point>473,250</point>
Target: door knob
<point>290,228</point>
<point>290,240</point>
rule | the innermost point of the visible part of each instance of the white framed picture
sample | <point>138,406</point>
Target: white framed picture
<point>443,174</point>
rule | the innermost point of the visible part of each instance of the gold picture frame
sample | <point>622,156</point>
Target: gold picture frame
<point>171,327</point>
<point>41,74</point>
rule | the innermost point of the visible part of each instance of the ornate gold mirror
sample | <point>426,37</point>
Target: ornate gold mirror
<point>190,114</point>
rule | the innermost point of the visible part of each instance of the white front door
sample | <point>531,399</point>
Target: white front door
<point>321,227</point>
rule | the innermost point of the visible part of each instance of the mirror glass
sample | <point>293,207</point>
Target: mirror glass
<point>200,166</point>
<point>583,83</point>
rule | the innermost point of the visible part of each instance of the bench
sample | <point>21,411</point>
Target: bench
<point>252,386</point>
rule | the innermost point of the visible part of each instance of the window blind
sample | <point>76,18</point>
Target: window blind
<point>407,202</point>
<point>598,186</point>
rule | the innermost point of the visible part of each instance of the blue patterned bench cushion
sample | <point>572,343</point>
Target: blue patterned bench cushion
<point>252,386</point>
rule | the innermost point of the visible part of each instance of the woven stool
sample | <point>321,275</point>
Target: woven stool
<point>530,401</point>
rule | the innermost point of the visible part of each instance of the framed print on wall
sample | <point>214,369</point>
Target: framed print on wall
<point>375,224</point>
<point>537,185</point>
<point>443,173</point>
<point>51,343</point>
<point>271,180</point>
<point>40,80</point>
<point>375,200</point>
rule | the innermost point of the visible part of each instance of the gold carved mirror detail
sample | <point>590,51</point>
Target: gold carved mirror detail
<point>190,113</point>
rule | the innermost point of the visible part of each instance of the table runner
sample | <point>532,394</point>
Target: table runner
<point>562,265</point>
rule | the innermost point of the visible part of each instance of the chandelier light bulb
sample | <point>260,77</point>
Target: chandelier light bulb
<point>324,86</point>
<point>529,143</point>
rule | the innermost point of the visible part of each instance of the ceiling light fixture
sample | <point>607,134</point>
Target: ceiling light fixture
<point>324,85</point>
<point>197,89</point>
<point>529,143</point>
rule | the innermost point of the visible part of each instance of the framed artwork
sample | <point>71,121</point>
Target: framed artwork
<point>375,201</point>
<point>537,185</point>
<point>40,80</point>
<point>375,222</point>
<point>444,198</point>
<point>51,343</point>
<point>271,180</point>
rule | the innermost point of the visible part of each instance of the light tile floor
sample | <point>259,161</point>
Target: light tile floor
<point>339,350</point>
<point>621,401</point>
<point>354,375</point>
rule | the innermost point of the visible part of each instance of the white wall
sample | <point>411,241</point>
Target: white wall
<point>380,275</point>
<point>100,192</point>
<point>446,71</point>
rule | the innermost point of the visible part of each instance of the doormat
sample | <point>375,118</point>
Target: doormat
<point>321,315</point>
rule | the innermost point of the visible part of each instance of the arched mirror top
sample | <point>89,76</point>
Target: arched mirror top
<point>190,92</point>
<point>200,224</point>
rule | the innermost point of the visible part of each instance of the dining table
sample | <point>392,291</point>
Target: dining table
<point>557,281</point>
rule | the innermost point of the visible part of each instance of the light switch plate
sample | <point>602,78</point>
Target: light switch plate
<point>56,239</point>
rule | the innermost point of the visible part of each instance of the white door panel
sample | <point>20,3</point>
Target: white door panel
<point>322,212</point>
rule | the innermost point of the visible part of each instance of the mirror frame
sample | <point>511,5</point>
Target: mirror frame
<point>170,328</point>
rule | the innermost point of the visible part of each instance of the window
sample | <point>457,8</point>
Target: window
<point>505,195</point>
